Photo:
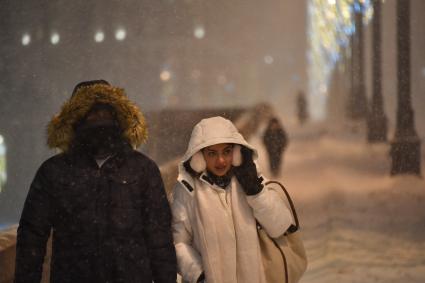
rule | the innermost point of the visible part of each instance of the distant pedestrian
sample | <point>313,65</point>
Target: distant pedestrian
<point>302,111</point>
<point>104,201</point>
<point>275,140</point>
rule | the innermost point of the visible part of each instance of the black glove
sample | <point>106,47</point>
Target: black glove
<point>247,173</point>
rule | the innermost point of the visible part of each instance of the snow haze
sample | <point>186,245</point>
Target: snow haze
<point>358,223</point>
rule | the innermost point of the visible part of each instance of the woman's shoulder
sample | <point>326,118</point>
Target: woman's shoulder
<point>183,190</point>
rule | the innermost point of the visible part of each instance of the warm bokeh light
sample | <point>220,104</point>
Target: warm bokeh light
<point>26,39</point>
<point>99,36</point>
<point>54,38</point>
<point>268,59</point>
<point>165,75</point>
<point>120,34</point>
<point>199,32</point>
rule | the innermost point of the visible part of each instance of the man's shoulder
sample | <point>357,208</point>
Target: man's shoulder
<point>55,161</point>
<point>53,166</point>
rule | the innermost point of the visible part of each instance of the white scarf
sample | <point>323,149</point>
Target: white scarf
<point>227,235</point>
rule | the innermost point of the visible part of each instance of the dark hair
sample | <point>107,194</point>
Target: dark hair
<point>189,169</point>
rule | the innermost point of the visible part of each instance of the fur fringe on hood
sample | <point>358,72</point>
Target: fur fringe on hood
<point>60,130</point>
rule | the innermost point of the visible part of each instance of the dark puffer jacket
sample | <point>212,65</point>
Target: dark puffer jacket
<point>109,225</point>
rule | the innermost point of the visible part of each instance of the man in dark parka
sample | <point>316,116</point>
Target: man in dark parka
<point>104,201</point>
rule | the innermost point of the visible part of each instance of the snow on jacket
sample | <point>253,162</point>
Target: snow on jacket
<point>214,229</point>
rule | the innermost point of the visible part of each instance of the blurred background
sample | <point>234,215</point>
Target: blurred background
<point>346,79</point>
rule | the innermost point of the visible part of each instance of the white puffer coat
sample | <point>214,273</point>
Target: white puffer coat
<point>214,229</point>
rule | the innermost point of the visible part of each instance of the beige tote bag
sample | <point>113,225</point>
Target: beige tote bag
<point>284,258</point>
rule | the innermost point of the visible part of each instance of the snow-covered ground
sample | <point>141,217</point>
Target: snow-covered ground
<point>359,224</point>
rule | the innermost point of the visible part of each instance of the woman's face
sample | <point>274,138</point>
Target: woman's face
<point>219,158</point>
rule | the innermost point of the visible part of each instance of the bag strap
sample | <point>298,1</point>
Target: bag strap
<point>292,228</point>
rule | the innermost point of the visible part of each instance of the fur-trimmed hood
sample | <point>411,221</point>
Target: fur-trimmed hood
<point>60,130</point>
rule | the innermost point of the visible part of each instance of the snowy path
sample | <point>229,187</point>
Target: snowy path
<point>359,224</point>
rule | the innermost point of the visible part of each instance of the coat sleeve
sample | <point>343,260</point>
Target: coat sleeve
<point>158,237</point>
<point>271,211</point>
<point>188,258</point>
<point>33,231</point>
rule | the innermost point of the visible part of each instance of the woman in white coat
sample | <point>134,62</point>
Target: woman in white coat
<point>217,202</point>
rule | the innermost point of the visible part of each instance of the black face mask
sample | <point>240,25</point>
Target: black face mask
<point>98,139</point>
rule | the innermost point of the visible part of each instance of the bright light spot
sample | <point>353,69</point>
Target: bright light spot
<point>26,39</point>
<point>221,80</point>
<point>1,139</point>
<point>55,38</point>
<point>199,32</point>
<point>331,2</point>
<point>99,36</point>
<point>165,75</point>
<point>195,74</point>
<point>120,34</point>
<point>268,59</point>
<point>323,88</point>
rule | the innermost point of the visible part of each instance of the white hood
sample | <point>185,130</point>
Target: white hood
<point>211,131</point>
